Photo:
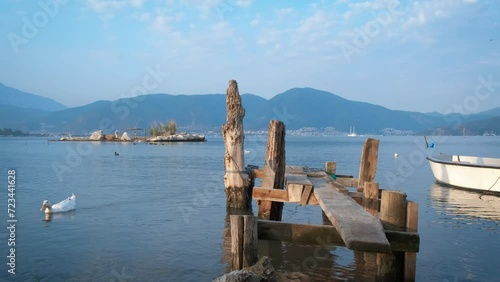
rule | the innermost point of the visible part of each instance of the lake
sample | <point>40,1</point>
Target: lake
<point>157,212</point>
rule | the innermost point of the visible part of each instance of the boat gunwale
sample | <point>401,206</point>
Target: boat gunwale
<point>440,161</point>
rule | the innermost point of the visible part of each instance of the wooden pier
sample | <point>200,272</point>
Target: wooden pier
<point>363,217</point>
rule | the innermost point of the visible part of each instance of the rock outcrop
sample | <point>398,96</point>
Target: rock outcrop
<point>125,137</point>
<point>97,136</point>
<point>263,270</point>
<point>178,138</point>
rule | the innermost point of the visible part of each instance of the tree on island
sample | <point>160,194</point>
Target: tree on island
<point>170,127</point>
<point>163,129</point>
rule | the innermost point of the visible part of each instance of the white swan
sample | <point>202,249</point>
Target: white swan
<point>63,206</point>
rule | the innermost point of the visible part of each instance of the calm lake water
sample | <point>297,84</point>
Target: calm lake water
<point>157,213</point>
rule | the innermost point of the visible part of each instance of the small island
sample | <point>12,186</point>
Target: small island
<point>157,133</point>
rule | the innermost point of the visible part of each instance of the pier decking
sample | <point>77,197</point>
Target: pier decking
<point>362,216</point>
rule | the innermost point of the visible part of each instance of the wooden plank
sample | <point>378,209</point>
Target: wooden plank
<point>295,184</point>
<point>276,195</point>
<point>368,163</point>
<point>347,181</point>
<point>326,234</point>
<point>357,197</point>
<point>267,194</point>
<point>294,192</point>
<point>358,229</point>
<point>337,186</point>
<point>297,179</point>
<point>295,169</point>
<point>317,174</point>
<point>306,194</point>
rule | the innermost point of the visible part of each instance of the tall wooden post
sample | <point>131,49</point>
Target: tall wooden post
<point>368,163</point>
<point>244,241</point>
<point>393,216</point>
<point>274,170</point>
<point>411,226</point>
<point>236,180</point>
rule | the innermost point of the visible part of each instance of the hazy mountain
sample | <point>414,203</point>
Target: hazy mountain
<point>297,107</point>
<point>13,97</point>
<point>20,118</point>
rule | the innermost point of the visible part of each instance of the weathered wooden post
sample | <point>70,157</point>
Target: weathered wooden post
<point>411,226</point>
<point>244,241</point>
<point>274,170</point>
<point>368,164</point>
<point>370,198</point>
<point>393,217</point>
<point>236,180</point>
<point>331,168</point>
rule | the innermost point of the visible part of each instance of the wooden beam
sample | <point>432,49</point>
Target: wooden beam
<point>295,169</point>
<point>326,234</point>
<point>276,195</point>
<point>358,229</point>
<point>347,181</point>
<point>306,194</point>
<point>295,184</point>
<point>368,163</point>
<point>268,194</point>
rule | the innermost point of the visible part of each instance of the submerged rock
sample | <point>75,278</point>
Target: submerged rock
<point>263,270</point>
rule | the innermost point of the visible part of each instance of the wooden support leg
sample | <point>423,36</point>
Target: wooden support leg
<point>393,216</point>
<point>274,170</point>
<point>243,241</point>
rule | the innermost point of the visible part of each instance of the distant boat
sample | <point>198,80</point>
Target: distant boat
<point>352,131</point>
<point>468,172</point>
<point>489,133</point>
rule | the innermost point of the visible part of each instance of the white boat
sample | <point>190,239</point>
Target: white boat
<point>352,131</point>
<point>468,172</point>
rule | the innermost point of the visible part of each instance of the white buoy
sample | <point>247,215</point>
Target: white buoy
<point>396,155</point>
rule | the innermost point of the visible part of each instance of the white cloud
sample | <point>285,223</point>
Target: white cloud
<point>242,3</point>
<point>107,6</point>
<point>284,12</point>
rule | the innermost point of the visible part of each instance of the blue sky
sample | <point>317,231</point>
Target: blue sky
<point>411,55</point>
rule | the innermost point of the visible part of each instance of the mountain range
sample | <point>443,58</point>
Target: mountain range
<point>297,108</point>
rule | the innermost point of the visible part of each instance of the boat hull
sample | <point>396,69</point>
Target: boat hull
<point>467,172</point>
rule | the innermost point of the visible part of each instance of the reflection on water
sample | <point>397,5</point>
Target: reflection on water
<point>464,203</point>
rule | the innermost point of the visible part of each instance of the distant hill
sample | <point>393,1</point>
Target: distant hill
<point>13,97</point>
<point>297,107</point>
<point>20,118</point>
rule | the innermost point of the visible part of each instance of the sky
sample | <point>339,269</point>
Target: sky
<point>424,56</point>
